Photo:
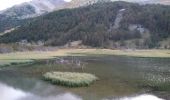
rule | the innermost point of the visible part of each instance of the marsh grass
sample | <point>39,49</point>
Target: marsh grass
<point>155,86</point>
<point>156,82</point>
<point>15,63</point>
<point>6,63</point>
<point>70,79</point>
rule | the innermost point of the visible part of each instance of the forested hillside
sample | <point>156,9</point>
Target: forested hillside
<point>100,25</point>
<point>8,22</point>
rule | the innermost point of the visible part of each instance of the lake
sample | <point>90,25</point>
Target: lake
<point>120,78</point>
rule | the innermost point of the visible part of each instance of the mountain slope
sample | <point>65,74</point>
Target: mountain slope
<point>166,2</point>
<point>14,16</point>
<point>17,13</point>
<point>103,24</point>
<point>38,7</point>
<point>32,8</point>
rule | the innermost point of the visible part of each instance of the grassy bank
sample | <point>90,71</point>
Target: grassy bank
<point>5,63</point>
<point>9,58</point>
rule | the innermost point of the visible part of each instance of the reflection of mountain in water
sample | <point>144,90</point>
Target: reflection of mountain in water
<point>10,93</point>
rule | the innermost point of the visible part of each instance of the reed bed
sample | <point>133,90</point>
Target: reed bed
<point>157,82</point>
<point>70,79</point>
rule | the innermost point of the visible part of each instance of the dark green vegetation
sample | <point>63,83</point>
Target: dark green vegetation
<point>70,79</point>
<point>23,10</point>
<point>7,22</point>
<point>94,26</point>
<point>11,18</point>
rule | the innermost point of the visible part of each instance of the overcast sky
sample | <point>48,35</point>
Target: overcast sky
<point>8,3</point>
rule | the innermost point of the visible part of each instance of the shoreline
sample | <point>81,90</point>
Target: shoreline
<point>40,55</point>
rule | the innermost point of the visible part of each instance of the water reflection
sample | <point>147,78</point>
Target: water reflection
<point>66,96</point>
<point>142,97</point>
<point>119,76</point>
<point>10,93</point>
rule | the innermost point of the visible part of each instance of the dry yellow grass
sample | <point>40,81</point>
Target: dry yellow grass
<point>133,53</point>
<point>83,52</point>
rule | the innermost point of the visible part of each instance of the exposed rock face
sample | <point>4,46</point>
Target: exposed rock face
<point>166,2</point>
<point>118,19</point>
<point>33,8</point>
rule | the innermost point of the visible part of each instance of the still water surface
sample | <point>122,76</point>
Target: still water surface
<point>120,79</point>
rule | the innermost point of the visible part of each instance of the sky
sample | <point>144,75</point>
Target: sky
<point>9,3</point>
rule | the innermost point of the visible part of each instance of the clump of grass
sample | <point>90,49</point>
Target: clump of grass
<point>70,79</point>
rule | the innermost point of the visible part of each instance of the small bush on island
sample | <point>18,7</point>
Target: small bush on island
<point>70,79</point>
